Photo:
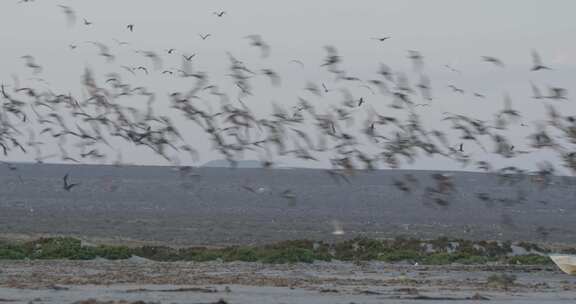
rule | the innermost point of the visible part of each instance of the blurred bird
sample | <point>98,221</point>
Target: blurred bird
<point>381,39</point>
<point>537,62</point>
<point>70,14</point>
<point>497,62</point>
<point>67,186</point>
<point>337,228</point>
<point>256,40</point>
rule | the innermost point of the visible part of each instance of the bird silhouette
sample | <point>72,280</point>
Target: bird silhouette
<point>537,64</point>
<point>495,61</point>
<point>337,228</point>
<point>70,14</point>
<point>189,57</point>
<point>68,186</point>
<point>256,40</point>
<point>299,62</point>
<point>130,27</point>
<point>31,63</point>
<point>381,39</point>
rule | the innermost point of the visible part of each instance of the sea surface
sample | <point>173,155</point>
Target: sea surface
<point>222,206</point>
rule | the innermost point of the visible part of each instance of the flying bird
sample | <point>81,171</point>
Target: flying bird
<point>557,93</point>
<point>497,62</point>
<point>381,39</point>
<point>70,14</point>
<point>189,57</point>
<point>87,23</point>
<point>256,40</point>
<point>456,89</point>
<point>143,69</point>
<point>31,63</point>
<point>274,78</point>
<point>537,62</point>
<point>417,59</point>
<point>425,87</point>
<point>156,60</point>
<point>130,27</point>
<point>68,186</point>
<point>220,14</point>
<point>337,228</point>
<point>204,37</point>
<point>121,43</point>
<point>297,62</point>
<point>104,51</point>
<point>536,92</point>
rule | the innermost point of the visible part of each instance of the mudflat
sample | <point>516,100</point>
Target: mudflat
<point>139,279</point>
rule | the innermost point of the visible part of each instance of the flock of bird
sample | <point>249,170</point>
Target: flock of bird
<point>353,134</point>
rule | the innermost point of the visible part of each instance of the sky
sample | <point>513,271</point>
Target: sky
<point>446,32</point>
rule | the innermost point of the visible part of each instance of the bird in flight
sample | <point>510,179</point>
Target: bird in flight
<point>68,186</point>
<point>274,78</point>
<point>456,89</point>
<point>143,69</point>
<point>337,228</point>
<point>31,63</point>
<point>70,14</point>
<point>381,39</point>
<point>557,93</point>
<point>536,92</point>
<point>537,62</point>
<point>297,62</point>
<point>189,57</point>
<point>130,27</point>
<point>493,60</point>
<point>87,23</point>
<point>220,14</point>
<point>104,50</point>
<point>416,58</point>
<point>121,43</point>
<point>258,42</point>
<point>204,37</point>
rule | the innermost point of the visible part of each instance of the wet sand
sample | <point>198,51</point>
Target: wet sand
<point>334,282</point>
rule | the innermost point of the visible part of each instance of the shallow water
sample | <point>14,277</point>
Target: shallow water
<point>212,206</point>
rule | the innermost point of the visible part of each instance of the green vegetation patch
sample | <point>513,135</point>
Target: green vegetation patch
<point>428,252</point>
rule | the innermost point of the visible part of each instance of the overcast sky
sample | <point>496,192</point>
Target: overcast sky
<point>453,32</point>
